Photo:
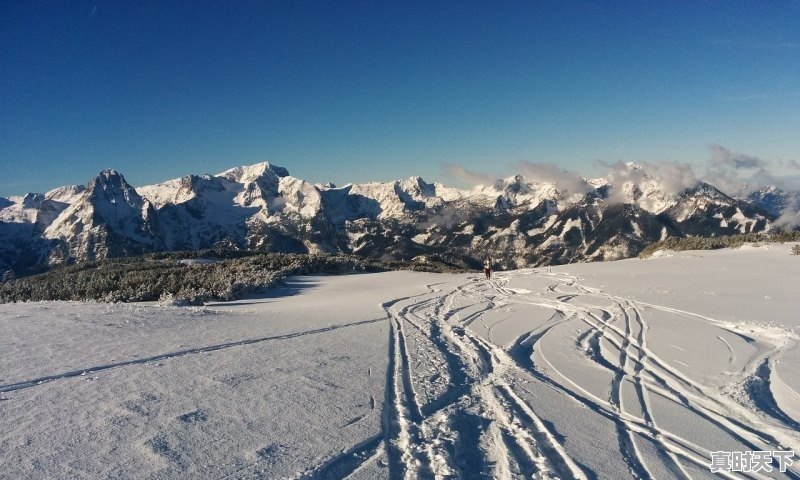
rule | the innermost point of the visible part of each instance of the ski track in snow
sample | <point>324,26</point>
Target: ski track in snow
<point>482,426</point>
<point>459,405</point>
<point>164,356</point>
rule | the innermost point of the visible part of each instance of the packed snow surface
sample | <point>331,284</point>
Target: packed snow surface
<point>629,369</point>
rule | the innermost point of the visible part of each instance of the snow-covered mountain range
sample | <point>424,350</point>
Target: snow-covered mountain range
<point>518,221</point>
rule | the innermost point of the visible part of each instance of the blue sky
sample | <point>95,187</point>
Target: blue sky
<point>357,91</point>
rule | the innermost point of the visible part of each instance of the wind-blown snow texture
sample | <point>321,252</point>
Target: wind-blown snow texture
<point>629,369</point>
<point>519,221</point>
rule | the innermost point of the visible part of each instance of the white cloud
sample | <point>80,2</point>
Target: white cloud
<point>723,157</point>
<point>569,183</point>
<point>790,218</point>
<point>739,174</point>
<point>669,177</point>
<point>734,173</point>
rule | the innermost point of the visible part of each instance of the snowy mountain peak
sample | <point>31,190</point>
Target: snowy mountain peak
<point>108,176</point>
<point>417,187</point>
<point>512,185</point>
<point>252,173</point>
<point>110,186</point>
<point>707,190</point>
<point>32,200</point>
<point>514,181</point>
<point>519,191</point>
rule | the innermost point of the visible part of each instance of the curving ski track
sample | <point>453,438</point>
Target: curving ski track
<point>474,417</point>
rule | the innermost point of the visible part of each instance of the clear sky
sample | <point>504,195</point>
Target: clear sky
<point>357,91</point>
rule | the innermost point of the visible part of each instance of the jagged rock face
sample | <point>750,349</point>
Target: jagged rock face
<point>517,221</point>
<point>108,219</point>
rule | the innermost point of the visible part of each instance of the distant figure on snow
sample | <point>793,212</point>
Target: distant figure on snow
<point>487,268</point>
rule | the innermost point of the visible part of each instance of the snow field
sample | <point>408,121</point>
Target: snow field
<point>630,369</point>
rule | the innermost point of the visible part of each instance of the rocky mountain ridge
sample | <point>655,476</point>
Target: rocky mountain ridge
<point>518,221</point>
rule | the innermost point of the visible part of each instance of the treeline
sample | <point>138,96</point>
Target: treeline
<point>713,243</point>
<point>225,276</point>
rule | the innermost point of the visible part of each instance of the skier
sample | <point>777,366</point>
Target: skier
<point>487,268</point>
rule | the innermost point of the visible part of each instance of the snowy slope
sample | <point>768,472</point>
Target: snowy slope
<point>38,208</point>
<point>629,369</point>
